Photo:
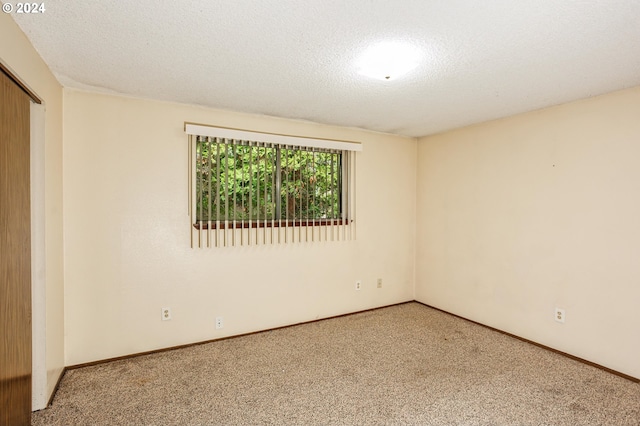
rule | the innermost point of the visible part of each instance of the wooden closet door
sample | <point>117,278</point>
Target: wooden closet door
<point>15,256</point>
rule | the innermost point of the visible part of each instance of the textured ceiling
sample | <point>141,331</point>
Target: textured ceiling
<point>298,59</point>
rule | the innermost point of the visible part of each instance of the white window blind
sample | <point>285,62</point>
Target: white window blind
<point>251,188</point>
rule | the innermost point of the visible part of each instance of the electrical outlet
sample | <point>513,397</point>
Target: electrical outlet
<point>219,323</point>
<point>166,314</point>
<point>379,282</point>
<point>559,315</point>
<point>358,285</point>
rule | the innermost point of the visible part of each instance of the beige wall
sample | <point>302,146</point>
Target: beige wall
<point>127,248</point>
<point>518,216</point>
<point>17,53</point>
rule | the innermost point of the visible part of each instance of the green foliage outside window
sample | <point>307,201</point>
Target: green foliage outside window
<point>266,182</point>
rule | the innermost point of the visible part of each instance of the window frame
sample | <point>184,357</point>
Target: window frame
<point>225,220</point>
<point>283,228</point>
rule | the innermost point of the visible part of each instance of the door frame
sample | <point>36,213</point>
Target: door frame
<point>39,388</point>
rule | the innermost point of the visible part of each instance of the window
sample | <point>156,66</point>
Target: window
<point>255,188</point>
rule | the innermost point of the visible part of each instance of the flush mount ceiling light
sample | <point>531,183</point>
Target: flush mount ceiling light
<point>388,60</point>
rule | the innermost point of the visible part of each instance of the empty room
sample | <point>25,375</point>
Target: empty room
<point>280,212</point>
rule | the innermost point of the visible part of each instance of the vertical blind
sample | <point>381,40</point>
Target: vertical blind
<point>248,188</point>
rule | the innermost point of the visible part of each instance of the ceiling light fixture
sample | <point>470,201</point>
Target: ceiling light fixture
<point>388,60</point>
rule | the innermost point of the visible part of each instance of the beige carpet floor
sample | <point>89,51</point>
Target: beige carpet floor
<point>402,365</point>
